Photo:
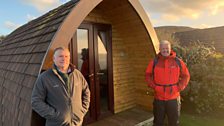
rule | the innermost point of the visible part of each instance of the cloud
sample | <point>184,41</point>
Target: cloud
<point>170,17</point>
<point>217,8</point>
<point>10,25</point>
<point>175,10</point>
<point>202,26</point>
<point>43,5</point>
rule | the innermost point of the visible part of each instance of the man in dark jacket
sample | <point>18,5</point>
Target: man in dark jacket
<point>61,95</point>
<point>167,76</point>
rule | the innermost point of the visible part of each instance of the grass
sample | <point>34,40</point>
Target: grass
<point>195,120</point>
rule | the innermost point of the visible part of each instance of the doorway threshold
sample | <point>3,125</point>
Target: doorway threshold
<point>131,117</point>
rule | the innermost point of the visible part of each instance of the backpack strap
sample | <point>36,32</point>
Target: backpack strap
<point>155,61</point>
<point>178,63</point>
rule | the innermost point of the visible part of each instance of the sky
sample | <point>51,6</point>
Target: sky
<point>192,13</point>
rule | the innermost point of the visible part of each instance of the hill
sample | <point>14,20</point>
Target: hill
<point>210,35</point>
<point>166,32</point>
<point>185,35</point>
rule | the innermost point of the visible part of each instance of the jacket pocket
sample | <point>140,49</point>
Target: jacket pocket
<point>60,117</point>
<point>52,115</point>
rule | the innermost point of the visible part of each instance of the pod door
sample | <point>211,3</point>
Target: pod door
<point>92,54</point>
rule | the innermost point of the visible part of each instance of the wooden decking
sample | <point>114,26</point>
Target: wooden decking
<point>132,117</point>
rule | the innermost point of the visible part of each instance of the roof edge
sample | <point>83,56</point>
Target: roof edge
<point>148,25</point>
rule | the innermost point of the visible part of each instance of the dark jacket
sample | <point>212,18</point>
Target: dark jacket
<point>51,100</point>
<point>168,79</point>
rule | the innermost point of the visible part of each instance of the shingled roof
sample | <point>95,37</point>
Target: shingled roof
<point>21,56</point>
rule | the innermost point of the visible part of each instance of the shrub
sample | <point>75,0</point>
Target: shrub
<point>205,91</point>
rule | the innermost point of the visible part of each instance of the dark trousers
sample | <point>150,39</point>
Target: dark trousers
<point>170,108</point>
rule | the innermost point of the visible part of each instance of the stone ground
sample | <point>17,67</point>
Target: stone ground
<point>132,117</point>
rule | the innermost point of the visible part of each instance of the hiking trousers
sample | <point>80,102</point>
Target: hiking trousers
<point>169,108</point>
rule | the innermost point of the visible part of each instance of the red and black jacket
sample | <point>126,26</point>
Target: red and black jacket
<point>167,79</point>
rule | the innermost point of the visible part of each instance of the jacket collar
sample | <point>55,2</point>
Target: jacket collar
<point>172,55</point>
<point>71,68</point>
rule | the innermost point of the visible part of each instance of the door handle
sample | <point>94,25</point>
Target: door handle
<point>100,73</point>
<point>91,75</point>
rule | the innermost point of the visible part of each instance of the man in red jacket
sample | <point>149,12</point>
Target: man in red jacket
<point>167,76</point>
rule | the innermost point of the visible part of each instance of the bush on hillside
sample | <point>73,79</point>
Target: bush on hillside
<point>206,87</point>
<point>2,37</point>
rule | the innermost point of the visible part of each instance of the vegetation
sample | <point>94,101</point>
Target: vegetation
<point>2,37</point>
<point>205,93</point>
<point>191,120</point>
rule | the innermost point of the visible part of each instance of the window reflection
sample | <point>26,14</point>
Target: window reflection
<point>83,52</point>
<point>102,53</point>
<point>102,60</point>
<point>82,45</point>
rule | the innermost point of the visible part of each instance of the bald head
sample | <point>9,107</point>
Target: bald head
<point>164,42</point>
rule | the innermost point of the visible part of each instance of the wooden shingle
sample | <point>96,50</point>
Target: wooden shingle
<point>28,81</point>
<point>14,76</point>
<point>17,67</point>
<point>40,48</point>
<point>33,69</point>
<point>3,65</point>
<point>10,86</point>
<point>37,58</point>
